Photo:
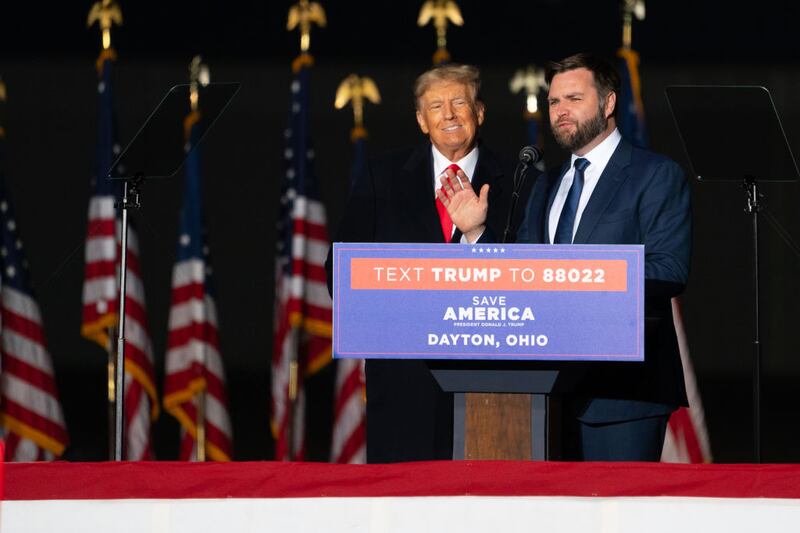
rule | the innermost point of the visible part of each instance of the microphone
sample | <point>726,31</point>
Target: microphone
<point>529,155</point>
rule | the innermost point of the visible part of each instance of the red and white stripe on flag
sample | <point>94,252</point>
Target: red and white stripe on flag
<point>194,368</point>
<point>303,322</point>
<point>31,414</point>
<point>100,295</point>
<point>686,440</point>
<point>349,444</point>
<point>31,420</point>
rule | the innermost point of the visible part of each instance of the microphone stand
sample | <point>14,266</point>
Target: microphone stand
<point>520,173</point>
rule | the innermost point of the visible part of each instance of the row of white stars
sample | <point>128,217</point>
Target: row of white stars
<point>12,227</point>
<point>288,154</point>
<point>488,250</point>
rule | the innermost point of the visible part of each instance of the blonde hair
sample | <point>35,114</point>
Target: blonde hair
<point>465,74</point>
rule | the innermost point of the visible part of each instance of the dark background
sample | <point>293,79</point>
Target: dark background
<point>47,61</point>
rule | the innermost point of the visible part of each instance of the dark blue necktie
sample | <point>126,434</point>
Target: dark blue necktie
<point>566,221</point>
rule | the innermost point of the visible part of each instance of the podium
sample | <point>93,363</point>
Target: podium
<point>500,326</point>
<point>502,410</point>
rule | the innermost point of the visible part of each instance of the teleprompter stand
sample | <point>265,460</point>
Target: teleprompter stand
<point>733,133</point>
<point>157,151</point>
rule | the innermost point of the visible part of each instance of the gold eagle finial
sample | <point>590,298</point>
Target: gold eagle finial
<point>440,12</point>
<point>630,9</point>
<point>303,15</point>
<point>356,89</point>
<point>531,80</point>
<point>199,76</point>
<point>105,13</point>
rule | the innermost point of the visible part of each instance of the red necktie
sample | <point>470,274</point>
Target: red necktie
<point>444,217</point>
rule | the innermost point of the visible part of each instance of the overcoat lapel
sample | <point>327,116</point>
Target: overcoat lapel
<point>416,182</point>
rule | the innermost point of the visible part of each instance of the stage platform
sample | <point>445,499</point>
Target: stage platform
<point>464,496</point>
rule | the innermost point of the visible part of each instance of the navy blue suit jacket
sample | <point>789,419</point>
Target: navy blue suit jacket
<point>640,198</point>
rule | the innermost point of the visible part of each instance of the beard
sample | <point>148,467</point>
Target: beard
<point>583,134</point>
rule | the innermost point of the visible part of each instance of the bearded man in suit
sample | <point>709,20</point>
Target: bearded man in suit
<point>607,192</point>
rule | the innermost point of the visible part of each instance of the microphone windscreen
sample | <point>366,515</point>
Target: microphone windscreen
<point>530,155</point>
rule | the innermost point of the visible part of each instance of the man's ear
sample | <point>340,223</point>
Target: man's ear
<point>423,124</point>
<point>479,110</point>
<point>611,103</point>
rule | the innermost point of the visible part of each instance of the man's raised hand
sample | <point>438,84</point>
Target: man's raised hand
<point>467,210</point>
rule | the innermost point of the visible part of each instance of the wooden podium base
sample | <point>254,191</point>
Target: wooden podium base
<point>506,426</point>
<point>511,411</point>
<point>497,426</point>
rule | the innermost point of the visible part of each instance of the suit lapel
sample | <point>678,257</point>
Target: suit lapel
<point>613,176</point>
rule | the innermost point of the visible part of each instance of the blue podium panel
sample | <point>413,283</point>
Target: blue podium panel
<point>488,302</point>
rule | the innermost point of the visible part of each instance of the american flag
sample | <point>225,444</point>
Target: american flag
<point>30,414</point>
<point>686,439</point>
<point>631,107</point>
<point>302,305</point>
<point>349,442</point>
<point>194,369</point>
<point>100,286</point>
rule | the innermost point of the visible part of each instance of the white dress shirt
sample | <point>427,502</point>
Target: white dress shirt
<point>440,164</point>
<point>598,159</point>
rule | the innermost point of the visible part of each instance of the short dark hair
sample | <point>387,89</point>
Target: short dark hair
<point>606,77</point>
<point>466,74</point>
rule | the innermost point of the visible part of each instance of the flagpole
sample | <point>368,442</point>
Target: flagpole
<point>293,387</point>
<point>106,13</point>
<point>198,75</point>
<point>112,402</point>
<point>201,426</point>
<point>348,443</point>
<point>301,16</point>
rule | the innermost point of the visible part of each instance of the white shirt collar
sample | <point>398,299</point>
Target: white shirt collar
<point>440,164</point>
<point>600,154</point>
<point>598,157</point>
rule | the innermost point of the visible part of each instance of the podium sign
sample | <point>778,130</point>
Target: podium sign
<point>488,302</point>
